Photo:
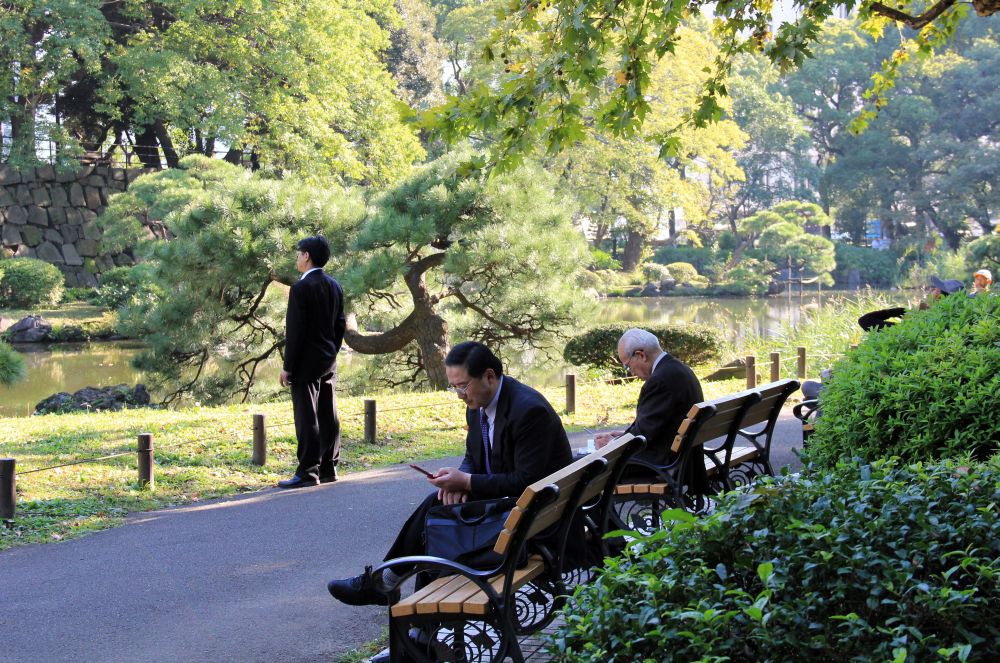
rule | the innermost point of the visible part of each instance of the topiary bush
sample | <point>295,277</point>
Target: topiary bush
<point>655,273</point>
<point>128,286</point>
<point>27,282</point>
<point>864,563</point>
<point>596,347</point>
<point>11,365</point>
<point>928,387</point>
<point>683,272</point>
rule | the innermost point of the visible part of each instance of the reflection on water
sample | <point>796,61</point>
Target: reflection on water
<point>68,367</point>
<point>72,366</point>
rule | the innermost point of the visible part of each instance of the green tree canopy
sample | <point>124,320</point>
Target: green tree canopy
<point>558,54</point>
<point>297,85</point>
<point>488,258</point>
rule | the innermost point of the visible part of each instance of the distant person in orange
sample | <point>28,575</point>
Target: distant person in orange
<point>981,282</point>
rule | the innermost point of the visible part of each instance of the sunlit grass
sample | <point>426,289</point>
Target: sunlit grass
<point>202,453</point>
<point>70,313</point>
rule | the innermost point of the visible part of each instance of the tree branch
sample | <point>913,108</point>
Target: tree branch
<point>915,22</point>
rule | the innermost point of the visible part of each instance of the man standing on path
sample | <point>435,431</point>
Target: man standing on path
<point>670,389</point>
<point>314,332</point>
<point>514,439</point>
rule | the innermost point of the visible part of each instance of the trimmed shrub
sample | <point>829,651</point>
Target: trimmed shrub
<point>596,347</point>
<point>656,273</point>
<point>749,277</point>
<point>127,286</point>
<point>27,282</point>
<point>683,272</point>
<point>877,268</point>
<point>602,260</point>
<point>80,295</point>
<point>703,258</point>
<point>928,387</point>
<point>866,563</point>
<point>11,365</point>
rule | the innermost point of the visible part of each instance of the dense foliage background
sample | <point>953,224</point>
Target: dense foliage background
<point>862,562</point>
<point>925,388</point>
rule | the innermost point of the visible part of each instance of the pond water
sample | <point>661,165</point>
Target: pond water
<point>72,366</point>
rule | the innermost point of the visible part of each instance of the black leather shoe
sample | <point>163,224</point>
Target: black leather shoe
<point>328,477</point>
<point>358,590</point>
<point>297,482</point>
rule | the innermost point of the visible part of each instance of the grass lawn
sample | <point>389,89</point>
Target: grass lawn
<point>202,453</point>
<point>71,313</point>
<point>72,321</point>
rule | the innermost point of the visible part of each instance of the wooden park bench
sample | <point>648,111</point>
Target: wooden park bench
<point>740,464</point>
<point>477,615</point>
<point>707,436</point>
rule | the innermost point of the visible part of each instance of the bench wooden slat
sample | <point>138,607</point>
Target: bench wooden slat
<point>469,599</point>
<point>458,594</point>
<point>743,455</point>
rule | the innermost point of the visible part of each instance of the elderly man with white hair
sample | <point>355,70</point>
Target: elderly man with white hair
<point>670,389</point>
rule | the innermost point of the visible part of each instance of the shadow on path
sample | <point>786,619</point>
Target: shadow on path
<point>239,579</point>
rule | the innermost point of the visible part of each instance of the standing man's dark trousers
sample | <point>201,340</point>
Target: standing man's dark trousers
<point>316,426</point>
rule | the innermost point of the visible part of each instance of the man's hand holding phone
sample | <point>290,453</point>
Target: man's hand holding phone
<point>429,475</point>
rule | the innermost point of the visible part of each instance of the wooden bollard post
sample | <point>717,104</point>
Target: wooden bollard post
<point>802,363</point>
<point>8,489</point>
<point>570,392</point>
<point>370,430</point>
<point>854,346</point>
<point>146,477</point>
<point>259,456</point>
<point>751,371</point>
<point>775,366</point>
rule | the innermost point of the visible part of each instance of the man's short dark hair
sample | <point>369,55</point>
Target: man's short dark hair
<point>475,358</point>
<point>317,247</point>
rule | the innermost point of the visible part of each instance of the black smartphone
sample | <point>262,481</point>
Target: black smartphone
<point>427,474</point>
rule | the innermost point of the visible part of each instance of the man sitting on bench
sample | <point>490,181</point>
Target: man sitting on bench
<point>670,389</point>
<point>514,439</point>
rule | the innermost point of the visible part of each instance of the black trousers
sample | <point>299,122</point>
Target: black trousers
<point>412,537</point>
<point>314,403</point>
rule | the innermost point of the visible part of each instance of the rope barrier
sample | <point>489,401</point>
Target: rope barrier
<point>76,462</point>
<point>414,407</point>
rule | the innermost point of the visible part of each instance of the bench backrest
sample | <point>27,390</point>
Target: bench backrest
<point>730,412</point>
<point>772,397</point>
<point>574,485</point>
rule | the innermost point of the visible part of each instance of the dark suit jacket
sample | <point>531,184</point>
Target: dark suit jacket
<point>663,404</point>
<point>314,326</point>
<point>529,443</point>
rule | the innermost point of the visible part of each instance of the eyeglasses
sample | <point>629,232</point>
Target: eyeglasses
<point>460,390</point>
<point>628,364</point>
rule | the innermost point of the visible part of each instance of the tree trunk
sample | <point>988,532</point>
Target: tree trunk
<point>423,325</point>
<point>163,136</point>
<point>635,243</point>
<point>432,338</point>
<point>147,148</point>
<point>234,156</point>
<point>22,131</point>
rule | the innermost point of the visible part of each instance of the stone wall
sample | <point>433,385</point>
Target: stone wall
<point>50,215</point>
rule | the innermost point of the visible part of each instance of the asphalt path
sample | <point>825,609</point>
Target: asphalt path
<point>240,579</point>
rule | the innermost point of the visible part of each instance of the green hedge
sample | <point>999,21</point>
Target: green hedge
<point>128,286</point>
<point>27,282</point>
<point>865,563</point>
<point>928,387</point>
<point>597,347</point>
